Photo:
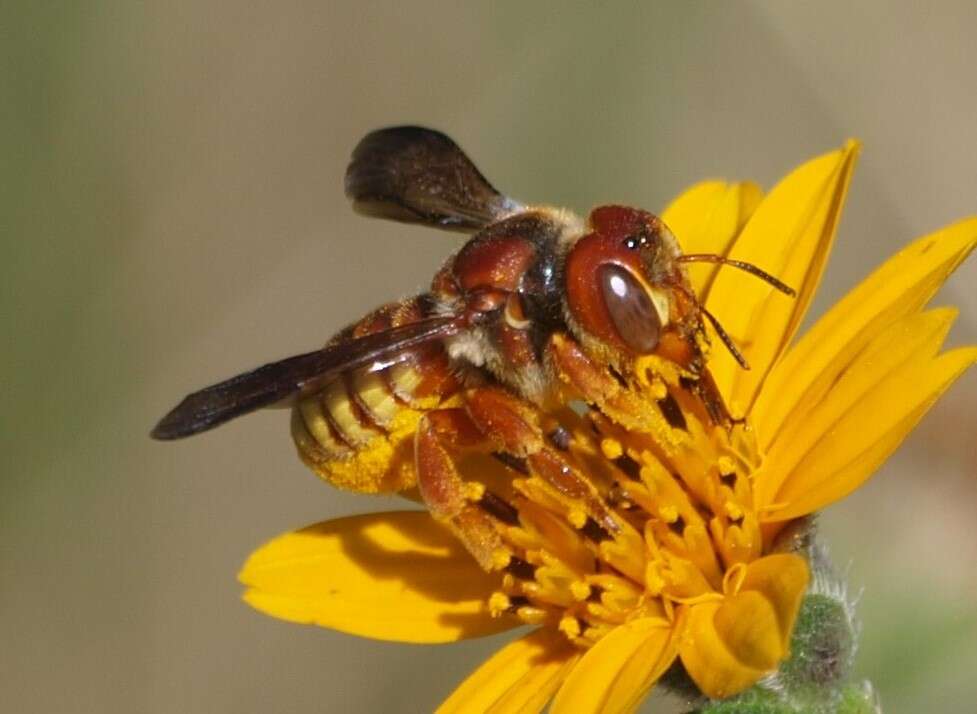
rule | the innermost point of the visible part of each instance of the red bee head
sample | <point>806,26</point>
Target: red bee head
<point>627,292</point>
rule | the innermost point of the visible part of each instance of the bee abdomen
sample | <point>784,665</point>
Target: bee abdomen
<point>357,432</point>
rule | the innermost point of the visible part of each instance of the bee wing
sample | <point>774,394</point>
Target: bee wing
<point>271,383</point>
<point>417,175</point>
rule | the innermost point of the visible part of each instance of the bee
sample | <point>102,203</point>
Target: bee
<point>538,309</point>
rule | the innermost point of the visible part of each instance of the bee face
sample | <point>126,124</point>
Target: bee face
<point>624,289</point>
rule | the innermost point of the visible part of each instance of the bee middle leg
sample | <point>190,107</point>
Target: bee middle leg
<point>497,421</point>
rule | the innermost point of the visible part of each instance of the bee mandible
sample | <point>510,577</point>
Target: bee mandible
<point>540,308</point>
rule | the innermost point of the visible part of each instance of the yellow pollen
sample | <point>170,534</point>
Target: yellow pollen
<point>654,582</point>
<point>659,390</point>
<point>570,626</point>
<point>668,513</point>
<point>599,612</point>
<point>498,603</point>
<point>500,558</point>
<point>733,511</point>
<point>611,448</point>
<point>727,466</point>
<point>531,615</point>
<point>580,590</point>
<point>577,518</point>
<point>474,490</point>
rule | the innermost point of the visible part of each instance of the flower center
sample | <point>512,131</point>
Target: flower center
<point>638,520</point>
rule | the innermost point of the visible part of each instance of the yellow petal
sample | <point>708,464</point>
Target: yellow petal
<point>917,337</point>
<point>899,287</point>
<point>617,673</point>
<point>518,679</point>
<point>390,576</point>
<point>789,236</point>
<point>716,671</point>
<point>782,579</point>
<point>707,218</point>
<point>747,625</point>
<point>864,436</point>
<point>728,645</point>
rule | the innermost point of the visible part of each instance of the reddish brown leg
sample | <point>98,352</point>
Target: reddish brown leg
<point>440,434</point>
<point>496,420</point>
<point>513,428</point>
<point>596,386</point>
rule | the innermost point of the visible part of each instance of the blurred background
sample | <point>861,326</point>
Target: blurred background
<point>172,213</point>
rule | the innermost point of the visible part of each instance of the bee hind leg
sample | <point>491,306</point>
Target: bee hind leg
<point>441,434</point>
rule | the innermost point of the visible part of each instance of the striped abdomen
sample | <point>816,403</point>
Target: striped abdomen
<point>357,433</point>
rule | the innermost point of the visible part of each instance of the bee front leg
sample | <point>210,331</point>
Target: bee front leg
<point>597,386</point>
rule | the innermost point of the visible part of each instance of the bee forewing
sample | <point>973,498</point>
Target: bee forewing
<point>271,383</point>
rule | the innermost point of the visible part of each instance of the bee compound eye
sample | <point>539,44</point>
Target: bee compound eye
<point>631,309</point>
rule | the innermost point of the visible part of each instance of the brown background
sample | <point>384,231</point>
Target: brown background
<point>173,213</point>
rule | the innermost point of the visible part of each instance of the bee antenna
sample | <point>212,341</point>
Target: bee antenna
<point>723,335</point>
<point>746,267</point>
<point>727,340</point>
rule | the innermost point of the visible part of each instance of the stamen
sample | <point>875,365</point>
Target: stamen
<point>672,412</point>
<point>513,462</point>
<point>668,513</point>
<point>499,508</point>
<point>726,464</point>
<point>521,569</point>
<point>570,626</point>
<point>630,467</point>
<point>677,526</point>
<point>499,603</point>
<point>617,497</point>
<point>532,615</point>
<point>611,448</point>
<point>594,531</point>
<point>580,590</point>
<point>628,521</point>
<point>734,512</point>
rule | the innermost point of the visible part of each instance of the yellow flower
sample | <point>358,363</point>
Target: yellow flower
<point>698,567</point>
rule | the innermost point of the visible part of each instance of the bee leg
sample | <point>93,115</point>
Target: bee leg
<point>512,426</point>
<point>597,386</point>
<point>440,434</point>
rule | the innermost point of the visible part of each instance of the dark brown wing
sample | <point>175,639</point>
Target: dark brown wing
<point>305,373</point>
<point>417,175</point>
